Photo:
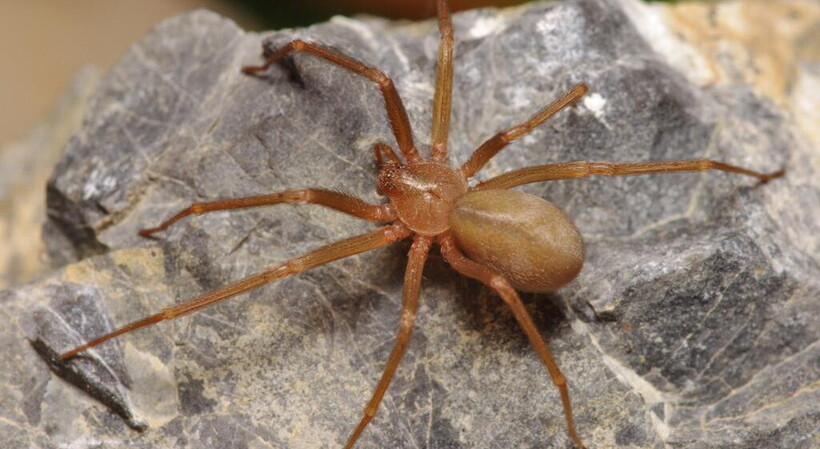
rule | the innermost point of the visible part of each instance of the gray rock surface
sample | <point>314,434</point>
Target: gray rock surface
<point>694,323</point>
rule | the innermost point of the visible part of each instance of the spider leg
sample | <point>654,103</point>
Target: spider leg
<point>477,271</point>
<point>584,169</point>
<point>396,113</point>
<point>496,143</point>
<point>444,85</point>
<point>410,304</point>
<point>339,201</point>
<point>335,251</point>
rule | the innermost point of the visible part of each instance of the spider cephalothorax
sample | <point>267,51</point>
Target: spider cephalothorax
<point>422,194</point>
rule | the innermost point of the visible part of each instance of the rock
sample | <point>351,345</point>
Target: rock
<point>25,166</point>
<point>694,322</point>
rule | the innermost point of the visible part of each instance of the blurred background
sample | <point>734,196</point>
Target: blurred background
<point>44,42</point>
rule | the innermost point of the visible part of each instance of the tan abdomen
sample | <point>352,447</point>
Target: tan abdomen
<point>521,236</point>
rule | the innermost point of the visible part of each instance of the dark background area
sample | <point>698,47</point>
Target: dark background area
<point>279,14</point>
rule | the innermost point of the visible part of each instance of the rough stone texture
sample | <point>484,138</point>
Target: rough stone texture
<point>693,325</point>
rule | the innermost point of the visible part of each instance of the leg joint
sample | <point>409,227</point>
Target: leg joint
<point>370,411</point>
<point>598,168</point>
<point>497,282</point>
<point>383,80</point>
<point>297,195</point>
<point>559,380</point>
<point>395,232</point>
<point>505,137</point>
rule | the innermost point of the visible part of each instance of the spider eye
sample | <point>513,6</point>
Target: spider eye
<point>388,178</point>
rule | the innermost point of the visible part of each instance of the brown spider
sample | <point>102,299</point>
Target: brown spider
<point>512,240</point>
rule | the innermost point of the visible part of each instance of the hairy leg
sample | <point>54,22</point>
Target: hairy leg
<point>477,271</point>
<point>410,304</point>
<point>444,85</point>
<point>496,143</point>
<point>339,201</point>
<point>335,251</point>
<point>584,169</point>
<point>396,113</point>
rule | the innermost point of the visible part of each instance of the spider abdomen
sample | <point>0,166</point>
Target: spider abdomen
<point>526,239</point>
